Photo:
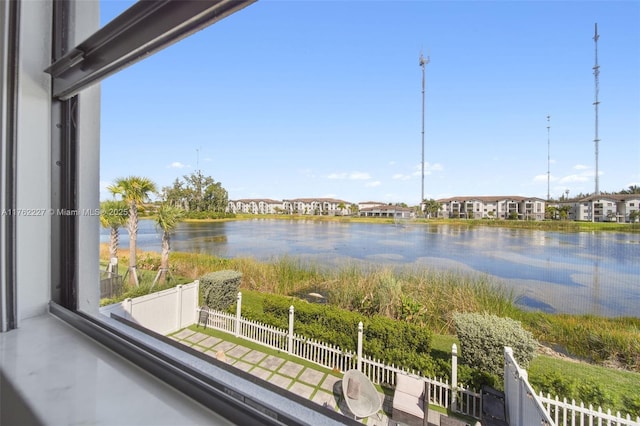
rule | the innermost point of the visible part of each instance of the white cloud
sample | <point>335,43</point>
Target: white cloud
<point>373,184</point>
<point>400,176</point>
<point>574,178</point>
<point>428,169</point>
<point>359,176</point>
<point>580,167</point>
<point>350,176</point>
<point>177,165</point>
<point>337,176</point>
<point>543,178</point>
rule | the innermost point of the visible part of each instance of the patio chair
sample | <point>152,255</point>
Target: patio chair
<point>361,396</point>
<point>411,401</point>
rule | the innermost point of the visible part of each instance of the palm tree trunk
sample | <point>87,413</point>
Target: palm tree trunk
<point>113,245</point>
<point>164,259</point>
<point>133,235</point>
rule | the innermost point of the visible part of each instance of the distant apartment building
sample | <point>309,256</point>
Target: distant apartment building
<point>255,206</point>
<point>308,206</point>
<point>384,210</point>
<point>316,206</point>
<point>492,207</point>
<point>369,204</point>
<point>621,208</point>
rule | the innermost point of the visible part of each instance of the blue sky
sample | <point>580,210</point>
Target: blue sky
<point>289,99</point>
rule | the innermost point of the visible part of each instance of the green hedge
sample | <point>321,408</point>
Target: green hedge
<point>484,336</point>
<point>389,340</point>
<point>220,289</point>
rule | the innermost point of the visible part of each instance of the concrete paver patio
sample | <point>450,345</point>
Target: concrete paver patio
<point>320,387</point>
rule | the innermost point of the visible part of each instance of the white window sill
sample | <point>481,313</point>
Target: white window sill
<point>64,377</point>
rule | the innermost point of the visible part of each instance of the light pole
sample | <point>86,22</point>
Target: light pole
<point>548,158</point>
<point>423,62</point>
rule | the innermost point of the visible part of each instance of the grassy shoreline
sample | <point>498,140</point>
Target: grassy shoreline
<point>546,225</point>
<point>429,298</point>
<point>417,295</point>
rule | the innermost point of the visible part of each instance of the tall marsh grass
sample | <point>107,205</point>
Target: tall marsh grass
<point>422,296</point>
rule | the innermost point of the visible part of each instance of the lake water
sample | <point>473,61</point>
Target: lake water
<point>586,272</point>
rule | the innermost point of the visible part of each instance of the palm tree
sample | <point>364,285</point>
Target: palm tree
<point>432,207</point>
<point>633,189</point>
<point>113,215</point>
<point>167,218</point>
<point>134,190</point>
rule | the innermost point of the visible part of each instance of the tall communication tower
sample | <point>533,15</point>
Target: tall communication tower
<point>423,62</point>
<point>548,157</point>
<point>596,74</point>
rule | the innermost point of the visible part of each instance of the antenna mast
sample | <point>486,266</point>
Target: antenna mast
<point>548,158</point>
<point>596,74</point>
<point>423,62</point>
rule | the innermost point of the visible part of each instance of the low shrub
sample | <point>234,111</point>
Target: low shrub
<point>220,289</point>
<point>393,341</point>
<point>484,336</point>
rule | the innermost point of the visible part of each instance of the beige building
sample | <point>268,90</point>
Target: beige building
<point>492,207</point>
<point>255,206</point>
<point>621,208</point>
<point>316,206</point>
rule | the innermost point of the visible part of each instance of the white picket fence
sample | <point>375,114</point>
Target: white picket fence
<point>465,401</point>
<point>570,413</point>
<point>525,406</point>
<point>550,411</point>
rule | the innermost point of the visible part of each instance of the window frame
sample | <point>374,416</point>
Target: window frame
<point>74,108</point>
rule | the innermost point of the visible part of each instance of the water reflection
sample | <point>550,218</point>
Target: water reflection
<point>568,272</point>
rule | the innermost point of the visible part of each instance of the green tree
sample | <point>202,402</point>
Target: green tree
<point>633,189</point>
<point>197,193</point>
<point>167,219</point>
<point>551,212</point>
<point>564,211</point>
<point>432,207</point>
<point>113,215</point>
<point>134,190</point>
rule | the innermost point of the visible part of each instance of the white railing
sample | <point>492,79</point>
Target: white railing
<point>322,353</point>
<point>217,319</point>
<point>523,406</point>
<point>570,413</point>
<point>266,335</point>
<point>465,402</point>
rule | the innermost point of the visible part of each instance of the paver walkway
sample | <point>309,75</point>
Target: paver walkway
<point>318,386</point>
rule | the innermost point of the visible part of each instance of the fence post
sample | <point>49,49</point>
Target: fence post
<point>238,310</point>
<point>359,354</point>
<point>454,376</point>
<point>179,307</point>
<point>128,308</point>
<point>194,305</point>
<point>290,336</point>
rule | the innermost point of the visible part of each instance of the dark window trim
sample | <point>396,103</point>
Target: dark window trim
<point>64,173</point>
<point>8,309</point>
<point>237,405</point>
<point>143,29</point>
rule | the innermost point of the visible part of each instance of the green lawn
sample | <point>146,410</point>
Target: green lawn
<point>614,384</point>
